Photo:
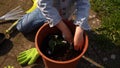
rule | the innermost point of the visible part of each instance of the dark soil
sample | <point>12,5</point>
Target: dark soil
<point>60,51</point>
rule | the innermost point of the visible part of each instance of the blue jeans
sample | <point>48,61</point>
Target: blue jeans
<point>81,8</point>
<point>31,21</point>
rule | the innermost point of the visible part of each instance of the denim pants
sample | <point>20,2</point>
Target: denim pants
<point>55,10</point>
<point>31,21</point>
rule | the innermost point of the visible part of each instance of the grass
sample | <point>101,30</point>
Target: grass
<point>109,13</point>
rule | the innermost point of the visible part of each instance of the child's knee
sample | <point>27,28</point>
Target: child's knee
<point>21,28</point>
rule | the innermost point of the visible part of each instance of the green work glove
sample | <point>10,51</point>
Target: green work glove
<point>28,57</point>
<point>9,66</point>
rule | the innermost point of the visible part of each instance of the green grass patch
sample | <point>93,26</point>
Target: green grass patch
<point>109,13</point>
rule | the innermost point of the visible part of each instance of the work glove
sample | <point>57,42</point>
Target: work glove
<point>28,57</point>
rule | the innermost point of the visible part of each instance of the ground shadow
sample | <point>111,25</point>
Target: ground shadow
<point>100,47</point>
<point>39,63</point>
<point>6,22</point>
<point>31,35</point>
<point>5,47</point>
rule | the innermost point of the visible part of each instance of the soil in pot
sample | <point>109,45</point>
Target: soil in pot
<point>56,48</point>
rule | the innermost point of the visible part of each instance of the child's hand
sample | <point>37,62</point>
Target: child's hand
<point>66,31</point>
<point>78,38</point>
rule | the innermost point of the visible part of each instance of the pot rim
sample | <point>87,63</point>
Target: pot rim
<point>62,62</point>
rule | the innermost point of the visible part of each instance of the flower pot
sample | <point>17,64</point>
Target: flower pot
<point>44,31</point>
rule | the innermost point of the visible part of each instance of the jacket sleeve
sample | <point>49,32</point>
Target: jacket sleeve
<point>82,14</point>
<point>50,12</point>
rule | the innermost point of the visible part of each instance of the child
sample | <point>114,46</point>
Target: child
<point>52,12</point>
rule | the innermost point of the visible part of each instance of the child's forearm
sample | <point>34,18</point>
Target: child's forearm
<point>78,38</point>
